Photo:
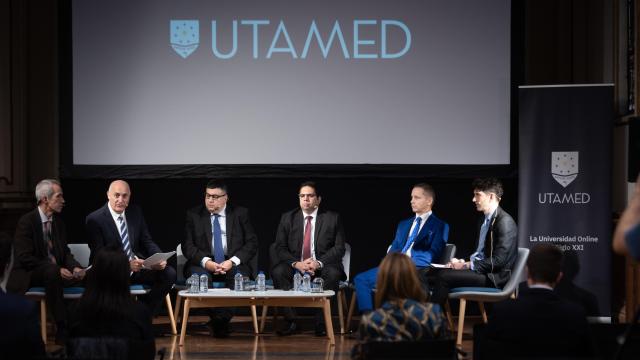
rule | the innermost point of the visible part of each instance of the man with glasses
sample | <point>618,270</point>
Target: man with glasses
<point>219,241</point>
<point>308,241</point>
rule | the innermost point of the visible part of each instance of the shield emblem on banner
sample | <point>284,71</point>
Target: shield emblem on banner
<point>564,166</point>
<point>184,36</point>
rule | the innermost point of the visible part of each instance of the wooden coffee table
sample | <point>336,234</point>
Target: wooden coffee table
<point>230,298</point>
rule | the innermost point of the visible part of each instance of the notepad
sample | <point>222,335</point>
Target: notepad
<point>157,258</point>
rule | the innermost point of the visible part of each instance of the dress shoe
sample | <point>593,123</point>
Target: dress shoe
<point>321,329</point>
<point>290,329</point>
<point>219,328</point>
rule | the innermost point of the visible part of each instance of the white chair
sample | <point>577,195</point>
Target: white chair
<point>487,294</point>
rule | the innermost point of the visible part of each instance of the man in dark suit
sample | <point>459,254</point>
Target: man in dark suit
<point>490,265</point>
<point>219,241</point>
<point>19,332</point>
<point>422,237</point>
<point>539,323</point>
<point>308,241</point>
<point>42,255</point>
<point>112,225</point>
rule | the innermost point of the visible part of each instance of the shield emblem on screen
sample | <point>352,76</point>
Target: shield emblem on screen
<point>184,36</point>
<point>564,166</point>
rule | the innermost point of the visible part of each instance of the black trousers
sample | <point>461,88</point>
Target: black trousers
<point>221,314</point>
<point>441,280</point>
<point>282,275</point>
<point>160,281</point>
<point>48,276</point>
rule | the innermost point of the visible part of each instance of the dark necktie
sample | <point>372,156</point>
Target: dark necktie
<point>47,239</point>
<point>124,236</point>
<point>413,235</point>
<point>306,245</point>
<point>218,251</point>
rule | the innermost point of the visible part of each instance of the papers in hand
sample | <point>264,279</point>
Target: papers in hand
<point>157,258</point>
<point>440,266</point>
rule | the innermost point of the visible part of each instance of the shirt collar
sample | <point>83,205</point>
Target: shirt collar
<point>314,214</point>
<point>424,216</point>
<point>43,217</point>
<point>492,213</point>
<point>540,286</point>
<point>221,213</point>
<point>114,214</point>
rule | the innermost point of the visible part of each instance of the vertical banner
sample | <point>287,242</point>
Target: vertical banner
<point>564,184</point>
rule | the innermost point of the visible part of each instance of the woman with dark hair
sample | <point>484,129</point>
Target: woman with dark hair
<point>106,316</point>
<point>402,313</point>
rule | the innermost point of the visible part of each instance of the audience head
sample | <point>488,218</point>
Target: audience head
<point>487,193</point>
<point>544,265</point>
<point>422,198</point>
<point>119,195</point>
<point>49,196</point>
<point>216,196</point>
<point>398,280</point>
<point>309,196</point>
<point>107,286</point>
<point>6,246</point>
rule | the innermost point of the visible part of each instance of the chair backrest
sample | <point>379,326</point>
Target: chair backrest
<point>81,253</point>
<point>516,272</point>
<point>448,254</point>
<point>181,262</point>
<point>346,259</point>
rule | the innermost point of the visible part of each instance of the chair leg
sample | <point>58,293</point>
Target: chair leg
<point>340,315</point>
<point>449,315</point>
<point>352,307</point>
<point>172,319</point>
<point>43,320</point>
<point>484,313</point>
<point>176,312</point>
<point>463,304</point>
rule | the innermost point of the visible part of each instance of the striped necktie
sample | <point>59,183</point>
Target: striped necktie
<point>124,235</point>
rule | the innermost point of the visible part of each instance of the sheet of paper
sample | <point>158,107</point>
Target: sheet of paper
<point>440,266</point>
<point>157,258</point>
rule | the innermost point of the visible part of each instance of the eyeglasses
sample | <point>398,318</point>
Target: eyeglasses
<point>213,196</point>
<point>302,196</point>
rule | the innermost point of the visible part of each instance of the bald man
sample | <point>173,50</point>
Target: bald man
<point>119,225</point>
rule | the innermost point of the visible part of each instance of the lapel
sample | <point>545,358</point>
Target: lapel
<point>230,217</point>
<point>206,225</point>
<point>426,228</point>
<point>316,232</point>
<point>39,236</point>
<point>111,225</point>
<point>55,238</point>
<point>297,229</point>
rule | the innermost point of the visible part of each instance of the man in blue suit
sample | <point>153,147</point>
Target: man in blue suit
<point>422,237</point>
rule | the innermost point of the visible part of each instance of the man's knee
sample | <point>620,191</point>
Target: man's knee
<point>281,273</point>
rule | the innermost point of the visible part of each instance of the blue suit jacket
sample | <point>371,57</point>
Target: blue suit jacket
<point>429,243</point>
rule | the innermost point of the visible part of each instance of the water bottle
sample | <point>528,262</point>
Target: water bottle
<point>194,284</point>
<point>204,283</point>
<point>297,281</point>
<point>306,282</point>
<point>261,282</point>
<point>239,282</point>
<point>317,285</point>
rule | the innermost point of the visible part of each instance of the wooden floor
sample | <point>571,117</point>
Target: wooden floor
<point>242,344</point>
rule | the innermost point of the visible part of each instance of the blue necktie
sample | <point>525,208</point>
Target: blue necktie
<point>124,235</point>
<point>479,254</point>
<point>413,235</point>
<point>218,251</point>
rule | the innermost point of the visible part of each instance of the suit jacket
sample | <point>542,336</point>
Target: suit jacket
<point>428,244</point>
<point>19,330</point>
<point>329,237</point>
<point>538,323</point>
<point>241,238</point>
<point>500,248</point>
<point>31,250</point>
<point>103,231</point>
